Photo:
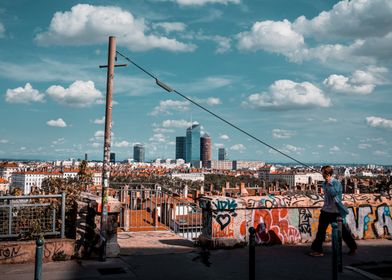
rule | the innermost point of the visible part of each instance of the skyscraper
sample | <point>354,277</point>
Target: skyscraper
<point>181,147</point>
<point>205,149</point>
<point>138,153</point>
<point>222,155</point>
<point>113,157</point>
<point>193,143</point>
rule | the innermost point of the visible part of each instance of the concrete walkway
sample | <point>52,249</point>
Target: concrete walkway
<point>162,255</point>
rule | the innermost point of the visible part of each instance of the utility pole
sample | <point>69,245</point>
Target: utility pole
<point>107,144</point>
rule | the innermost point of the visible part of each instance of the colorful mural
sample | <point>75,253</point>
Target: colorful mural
<point>290,219</point>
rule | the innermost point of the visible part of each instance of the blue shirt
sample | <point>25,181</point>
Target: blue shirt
<point>331,190</point>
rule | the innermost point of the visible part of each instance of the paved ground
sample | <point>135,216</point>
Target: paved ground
<point>162,255</point>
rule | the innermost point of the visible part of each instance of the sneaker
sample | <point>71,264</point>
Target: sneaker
<point>352,252</point>
<point>316,254</point>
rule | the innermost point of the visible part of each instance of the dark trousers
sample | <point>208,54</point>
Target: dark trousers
<point>324,221</point>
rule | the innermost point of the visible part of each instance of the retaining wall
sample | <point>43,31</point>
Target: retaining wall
<point>288,219</point>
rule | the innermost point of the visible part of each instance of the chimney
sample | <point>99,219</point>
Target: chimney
<point>243,191</point>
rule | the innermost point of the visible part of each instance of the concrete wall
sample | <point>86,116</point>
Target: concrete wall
<point>24,251</point>
<point>288,219</point>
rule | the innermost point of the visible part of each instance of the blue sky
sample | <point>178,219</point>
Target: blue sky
<point>312,78</point>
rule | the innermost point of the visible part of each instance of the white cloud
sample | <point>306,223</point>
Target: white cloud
<point>79,94</point>
<point>223,43</point>
<point>100,121</point>
<point>99,134</point>
<point>176,124</point>
<point>292,149</point>
<point>87,24</point>
<point>166,107</point>
<point>282,134</point>
<point>59,141</point>
<point>4,141</point>
<point>320,146</point>
<point>286,94</point>
<point>162,130</point>
<point>349,19</point>
<point>204,2</point>
<point>218,145</point>
<point>211,101</point>
<point>379,122</point>
<point>380,153</point>
<point>364,25</point>
<point>377,140</point>
<point>364,146</point>
<point>238,147</point>
<point>170,26</point>
<point>331,120</point>
<point>272,36</point>
<point>96,145</point>
<point>158,137</point>
<point>2,30</point>
<point>122,144</point>
<point>24,94</point>
<point>334,149</point>
<point>57,123</point>
<point>361,82</point>
<point>224,137</point>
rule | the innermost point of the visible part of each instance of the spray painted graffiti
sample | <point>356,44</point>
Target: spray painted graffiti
<point>294,219</point>
<point>9,252</point>
<point>273,227</point>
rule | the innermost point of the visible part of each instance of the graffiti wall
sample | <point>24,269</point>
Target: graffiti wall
<point>289,219</point>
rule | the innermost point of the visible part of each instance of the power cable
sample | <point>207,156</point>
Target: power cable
<point>169,89</point>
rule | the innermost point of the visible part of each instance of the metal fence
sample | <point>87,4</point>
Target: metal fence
<point>28,216</point>
<point>151,207</point>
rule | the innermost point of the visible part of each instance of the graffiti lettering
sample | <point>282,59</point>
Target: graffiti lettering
<point>51,249</point>
<point>228,204</point>
<point>304,221</point>
<point>359,223</point>
<point>383,224</point>
<point>223,220</point>
<point>8,253</point>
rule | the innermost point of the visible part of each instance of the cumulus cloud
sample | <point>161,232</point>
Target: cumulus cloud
<point>334,149</point>
<point>331,120</point>
<point>364,146</point>
<point>224,137</point>
<point>158,137</point>
<point>100,121</point>
<point>166,107</point>
<point>282,133</point>
<point>162,130</point>
<point>286,94</point>
<point>272,36</point>
<point>79,94</point>
<point>380,153</point>
<point>379,122</point>
<point>238,147</point>
<point>204,2</point>
<point>176,124</point>
<point>292,149</point>
<point>87,24</point>
<point>363,25</point>
<point>57,123</point>
<point>361,82</point>
<point>26,94</point>
<point>4,141</point>
<point>58,141</point>
<point>211,101</point>
<point>170,26</point>
<point>122,144</point>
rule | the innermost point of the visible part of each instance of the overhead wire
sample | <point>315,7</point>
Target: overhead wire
<point>169,89</point>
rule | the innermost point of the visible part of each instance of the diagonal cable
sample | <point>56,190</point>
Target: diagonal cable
<point>169,89</point>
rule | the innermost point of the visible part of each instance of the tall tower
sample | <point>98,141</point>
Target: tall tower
<point>138,153</point>
<point>205,149</point>
<point>181,147</point>
<point>193,143</point>
<point>222,155</point>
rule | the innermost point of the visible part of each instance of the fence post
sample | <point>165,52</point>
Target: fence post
<point>340,259</point>
<point>252,253</point>
<point>335,249</point>
<point>38,258</point>
<point>62,214</point>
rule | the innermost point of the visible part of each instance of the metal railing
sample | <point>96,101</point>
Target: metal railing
<point>152,207</point>
<point>28,216</point>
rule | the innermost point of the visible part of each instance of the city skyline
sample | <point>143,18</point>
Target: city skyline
<point>312,79</point>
